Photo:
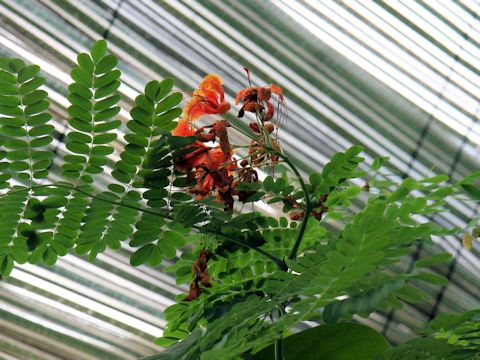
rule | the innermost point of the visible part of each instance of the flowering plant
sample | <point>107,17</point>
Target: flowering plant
<point>180,191</point>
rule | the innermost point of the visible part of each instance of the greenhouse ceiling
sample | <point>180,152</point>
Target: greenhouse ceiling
<point>401,78</point>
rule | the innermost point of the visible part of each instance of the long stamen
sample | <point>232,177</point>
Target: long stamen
<point>247,70</point>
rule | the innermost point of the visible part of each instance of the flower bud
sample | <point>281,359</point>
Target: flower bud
<point>223,107</point>
<point>297,215</point>
<point>254,127</point>
<point>269,127</point>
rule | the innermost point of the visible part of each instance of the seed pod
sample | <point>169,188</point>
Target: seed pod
<point>194,292</point>
<point>297,215</point>
<point>244,163</point>
<point>254,127</point>
<point>467,241</point>
<point>269,127</point>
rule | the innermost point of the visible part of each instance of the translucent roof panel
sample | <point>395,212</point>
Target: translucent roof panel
<point>401,78</point>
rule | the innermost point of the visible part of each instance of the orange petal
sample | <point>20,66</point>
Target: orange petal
<point>268,116</point>
<point>264,94</point>
<point>205,183</point>
<point>212,88</point>
<point>241,94</point>
<point>223,107</point>
<point>215,158</point>
<point>183,129</point>
<point>194,109</point>
<point>276,89</point>
<point>252,106</point>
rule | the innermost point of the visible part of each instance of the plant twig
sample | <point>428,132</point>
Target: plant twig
<point>279,353</point>
<point>278,346</point>
<point>277,261</point>
<point>308,207</point>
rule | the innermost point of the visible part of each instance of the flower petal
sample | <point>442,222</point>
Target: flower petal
<point>212,88</point>
<point>194,109</point>
<point>183,129</point>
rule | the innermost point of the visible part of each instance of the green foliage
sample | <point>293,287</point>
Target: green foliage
<point>352,263</point>
<point>260,288</point>
<point>449,336</point>
<point>470,186</point>
<point>342,166</point>
<point>13,242</point>
<point>341,341</point>
<point>94,105</point>
<point>363,303</point>
<point>152,116</point>
<point>46,221</point>
<point>24,124</point>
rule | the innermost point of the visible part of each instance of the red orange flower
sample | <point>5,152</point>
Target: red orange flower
<point>211,166</point>
<point>183,129</point>
<point>209,98</point>
<point>255,99</point>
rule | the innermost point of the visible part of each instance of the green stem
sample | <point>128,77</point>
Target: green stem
<point>279,354</point>
<point>308,208</point>
<point>278,346</point>
<point>274,259</point>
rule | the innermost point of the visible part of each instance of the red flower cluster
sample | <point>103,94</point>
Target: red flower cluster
<point>258,100</point>
<point>211,166</point>
<point>214,167</point>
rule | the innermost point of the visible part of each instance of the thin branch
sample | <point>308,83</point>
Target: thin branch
<point>274,259</point>
<point>278,346</point>
<point>308,207</point>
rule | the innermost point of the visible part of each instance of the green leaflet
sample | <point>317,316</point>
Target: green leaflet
<point>472,190</point>
<point>158,242</point>
<point>63,221</point>
<point>361,304</point>
<point>143,137</point>
<point>22,105</point>
<point>13,239</point>
<point>93,109</point>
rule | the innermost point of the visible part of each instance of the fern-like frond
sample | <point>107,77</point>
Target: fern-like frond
<point>152,116</point>
<point>15,231</point>
<point>92,111</point>
<point>90,239</point>
<point>24,124</point>
<point>156,242</point>
<point>94,106</point>
<point>63,210</point>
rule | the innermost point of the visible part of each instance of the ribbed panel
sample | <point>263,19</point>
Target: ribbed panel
<point>399,77</point>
